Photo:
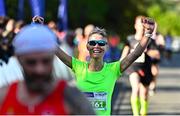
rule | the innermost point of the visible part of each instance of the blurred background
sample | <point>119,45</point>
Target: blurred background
<point>68,19</point>
<point>115,15</point>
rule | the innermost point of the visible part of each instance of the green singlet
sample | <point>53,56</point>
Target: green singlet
<point>98,86</point>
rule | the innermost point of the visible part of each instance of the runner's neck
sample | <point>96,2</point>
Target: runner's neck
<point>95,65</point>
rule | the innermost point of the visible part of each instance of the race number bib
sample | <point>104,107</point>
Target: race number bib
<point>140,59</point>
<point>97,99</point>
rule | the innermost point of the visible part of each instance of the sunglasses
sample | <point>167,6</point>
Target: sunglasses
<point>99,42</point>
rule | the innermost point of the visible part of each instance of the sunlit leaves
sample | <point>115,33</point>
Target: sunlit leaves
<point>166,17</point>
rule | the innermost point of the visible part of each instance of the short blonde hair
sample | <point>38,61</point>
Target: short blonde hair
<point>100,31</point>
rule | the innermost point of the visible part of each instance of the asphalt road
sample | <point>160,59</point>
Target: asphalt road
<point>166,101</point>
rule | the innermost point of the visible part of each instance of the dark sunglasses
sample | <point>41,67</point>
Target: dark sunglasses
<point>99,42</point>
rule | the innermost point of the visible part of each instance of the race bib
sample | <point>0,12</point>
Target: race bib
<point>140,59</point>
<point>97,99</point>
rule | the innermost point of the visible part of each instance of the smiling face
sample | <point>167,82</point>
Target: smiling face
<point>97,45</point>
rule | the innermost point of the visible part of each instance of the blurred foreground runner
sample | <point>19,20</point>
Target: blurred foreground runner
<point>40,92</point>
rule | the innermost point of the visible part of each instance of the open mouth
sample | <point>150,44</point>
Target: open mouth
<point>97,51</point>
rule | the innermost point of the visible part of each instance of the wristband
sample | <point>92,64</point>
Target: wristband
<point>148,35</point>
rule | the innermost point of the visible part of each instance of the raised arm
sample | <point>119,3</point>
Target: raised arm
<point>38,19</point>
<point>125,52</point>
<point>148,25</point>
<point>65,58</point>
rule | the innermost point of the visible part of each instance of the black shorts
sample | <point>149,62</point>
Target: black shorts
<point>144,68</point>
<point>155,61</point>
<point>146,80</point>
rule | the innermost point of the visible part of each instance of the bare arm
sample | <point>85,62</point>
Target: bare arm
<point>65,58</point>
<point>128,60</point>
<point>154,54</point>
<point>77,103</point>
<point>38,19</point>
<point>125,52</point>
<point>148,28</point>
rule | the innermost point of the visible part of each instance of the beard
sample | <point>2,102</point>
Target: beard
<point>38,83</point>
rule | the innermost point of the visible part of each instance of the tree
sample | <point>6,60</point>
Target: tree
<point>166,15</point>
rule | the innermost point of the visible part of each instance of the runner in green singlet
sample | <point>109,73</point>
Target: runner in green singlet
<point>97,78</point>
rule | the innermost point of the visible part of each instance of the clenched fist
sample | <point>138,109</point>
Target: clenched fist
<point>38,19</point>
<point>148,25</point>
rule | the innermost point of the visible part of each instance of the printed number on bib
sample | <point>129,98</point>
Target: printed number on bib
<point>98,100</point>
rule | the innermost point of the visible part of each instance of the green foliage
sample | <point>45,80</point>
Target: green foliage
<point>51,10</point>
<point>11,8</point>
<point>83,12</point>
<point>167,18</point>
<point>114,15</point>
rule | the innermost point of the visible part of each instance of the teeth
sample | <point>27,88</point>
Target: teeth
<point>95,51</point>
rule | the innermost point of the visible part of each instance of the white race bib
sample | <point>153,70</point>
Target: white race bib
<point>97,99</point>
<point>140,59</point>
